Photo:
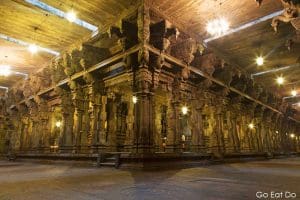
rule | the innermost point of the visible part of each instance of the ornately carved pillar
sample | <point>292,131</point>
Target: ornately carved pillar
<point>233,132</point>
<point>144,120</point>
<point>78,102</point>
<point>129,138</point>
<point>43,121</point>
<point>197,130</point>
<point>112,121</point>
<point>103,121</point>
<point>94,114</point>
<point>68,120</point>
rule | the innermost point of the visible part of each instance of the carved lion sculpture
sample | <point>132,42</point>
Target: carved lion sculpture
<point>291,12</point>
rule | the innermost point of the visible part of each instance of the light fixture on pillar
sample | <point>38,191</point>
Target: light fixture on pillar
<point>5,70</point>
<point>71,16</point>
<point>134,99</point>
<point>33,48</point>
<point>217,27</point>
<point>260,61</point>
<point>251,126</point>
<point>294,93</point>
<point>184,110</point>
<point>58,124</point>
<point>280,80</point>
<point>292,135</point>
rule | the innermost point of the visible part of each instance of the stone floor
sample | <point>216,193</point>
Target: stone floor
<point>36,181</point>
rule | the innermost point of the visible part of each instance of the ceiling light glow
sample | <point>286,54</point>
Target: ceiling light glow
<point>292,135</point>
<point>251,126</point>
<point>217,27</point>
<point>294,93</point>
<point>33,48</point>
<point>134,99</point>
<point>71,16</point>
<point>5,70</point>
<point>58,124</point>
<point>280,80</point>
<point>259,61</point>
<point>184,110</point>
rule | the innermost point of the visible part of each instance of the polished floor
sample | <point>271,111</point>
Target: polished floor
<point>251,180</point>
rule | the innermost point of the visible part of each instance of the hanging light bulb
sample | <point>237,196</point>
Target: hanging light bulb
<point>134,99</point>
<point>33,48</point>
<point>260,61</point>
<point>294,93</point>
<point>217,27</point>
<point>58,124</point>
<point>251,126</point>
<point>292,135</point>
<point>280,80</point>
<point>5,70</point>
<point>184,110</point>
<point>71,16</point>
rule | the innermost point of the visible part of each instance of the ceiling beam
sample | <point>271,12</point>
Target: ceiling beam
<point>291,97</point>
<point>275,70</point>
<point>22,43</point>
<point>62,14</point>
<point>245,26</point>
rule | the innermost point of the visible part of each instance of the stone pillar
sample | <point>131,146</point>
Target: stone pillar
<point>197,130</point>
<point>144,120</point>
<point>103,121</point>
<point>220,135</point>
<point>78,102</point>
<point>67,111</point>
<point>94,114</point>
<point>112,121</point>
<point>234,134</point>
<point>129,138</point>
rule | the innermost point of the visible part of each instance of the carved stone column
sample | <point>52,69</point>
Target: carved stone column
<point>68,138</point>
<point>219,130</point>
<point>144,120</point>
<point>94,115</point>
<point>43,121</point>
<point>233,132</point>
<point>78,102</point>
<point>129,139</point>
<point>112,102</point>
<point>103,121</point>
<point>197,127</point>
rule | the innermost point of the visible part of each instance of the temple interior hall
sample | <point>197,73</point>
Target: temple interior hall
<point>108,85</point>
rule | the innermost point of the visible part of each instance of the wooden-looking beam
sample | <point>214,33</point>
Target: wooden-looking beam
<point>90,70</point>
<point>199,72</point>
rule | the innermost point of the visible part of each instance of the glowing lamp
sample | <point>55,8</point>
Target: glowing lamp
<point>134,99</point>
<point>217,27</point>
<point>259,61</point>
<point>58,124</point>
<point>280,80</point>
<point>294,93</point>
<point>251,126</point>
<point>71,16</point>
<point>292,135</point>
<point>33,48</point>
<point>184,110</point>
<point>5,70</point>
